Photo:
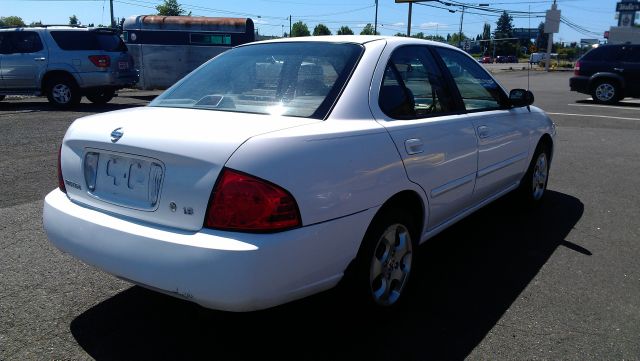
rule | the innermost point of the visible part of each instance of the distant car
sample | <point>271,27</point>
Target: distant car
<point>241,194</point>
<point>535,58</point>
<point>487,60</point>
<point>64,63</point>
<point>501,59</point>
<point>608,73</point>
<point>512,59</point>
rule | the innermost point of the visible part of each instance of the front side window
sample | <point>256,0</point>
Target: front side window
<point>23,42</point>
<point>478,90</point>
<point>412,85</point>
<point>292,79</point>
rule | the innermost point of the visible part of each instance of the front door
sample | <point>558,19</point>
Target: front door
<point>438,148</point>
<point>23,60</point>
<point>631,70</point>
<point>502,132</point>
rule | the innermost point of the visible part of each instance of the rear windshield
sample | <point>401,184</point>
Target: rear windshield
<point>292,79</point>
<point>88,40</point>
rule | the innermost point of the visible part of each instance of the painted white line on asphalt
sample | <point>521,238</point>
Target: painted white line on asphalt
<point>594,116</point>
<point>603,106</point>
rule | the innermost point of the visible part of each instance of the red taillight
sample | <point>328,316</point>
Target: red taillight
<point>60,179</point>
<point>576,69</point>
<point>241,202</point>
<point>101,61</point>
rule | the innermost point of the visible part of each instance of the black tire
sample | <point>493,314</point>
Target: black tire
<point>381,272</point>
<point>1,97</point>
<point>606,91</point>
<point>101,96</point>
<point>63,92</point>
<point>533,185</point>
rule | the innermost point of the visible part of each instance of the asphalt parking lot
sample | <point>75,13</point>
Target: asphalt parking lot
<point>560,282</point>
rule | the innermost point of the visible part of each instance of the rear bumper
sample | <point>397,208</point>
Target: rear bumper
<point>579,84</point>
<point>107,79</point>
<point>221,270</point>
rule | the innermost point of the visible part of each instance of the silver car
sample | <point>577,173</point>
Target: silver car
<point>64,63</point>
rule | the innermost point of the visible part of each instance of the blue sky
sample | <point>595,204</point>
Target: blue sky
<point>271,17</point>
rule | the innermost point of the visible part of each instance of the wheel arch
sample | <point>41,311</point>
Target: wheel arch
<point>597,77</point>
<point>547,141</point>
<point>54,74</point>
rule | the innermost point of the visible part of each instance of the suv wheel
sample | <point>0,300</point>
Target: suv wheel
<point>1,98</point>
<point>63,92</point>
<point>606,92</point>
<point>101,96</point>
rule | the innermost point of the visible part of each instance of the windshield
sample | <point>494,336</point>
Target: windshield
<point>292,79</point>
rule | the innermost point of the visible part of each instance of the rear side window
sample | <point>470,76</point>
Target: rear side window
<point>88,40</point>
<point>478,90</point>
<point>607,53</point>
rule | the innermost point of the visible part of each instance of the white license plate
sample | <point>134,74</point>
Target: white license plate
<point>128,181</point>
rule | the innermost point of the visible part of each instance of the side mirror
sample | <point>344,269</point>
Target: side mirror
<point>520,98</point>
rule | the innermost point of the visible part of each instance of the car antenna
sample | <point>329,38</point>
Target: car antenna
<point>529,67</point>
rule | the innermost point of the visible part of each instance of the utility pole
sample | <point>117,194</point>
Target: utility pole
<point>409,23</point>
<point>375,27</point>
<point>282,31</point>
<point>460,33</point>
<point>113,21</point>
<point>289,25</point>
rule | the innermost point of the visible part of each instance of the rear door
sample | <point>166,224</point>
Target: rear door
<point>24,60</point>
<point>438,147</point>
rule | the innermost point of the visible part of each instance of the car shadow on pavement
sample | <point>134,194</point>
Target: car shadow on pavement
<point>467,278</point>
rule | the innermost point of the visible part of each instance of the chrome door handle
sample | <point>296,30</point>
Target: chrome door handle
<point>413,146</point>
<point>483,131</point>
<point>618,69</point>
<point>39,59</point>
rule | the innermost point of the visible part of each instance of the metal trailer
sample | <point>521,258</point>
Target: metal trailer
<point>166,48</point>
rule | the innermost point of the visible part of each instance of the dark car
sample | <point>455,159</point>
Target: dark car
<point>501,59</point>
<point>512,59</point>
<point>609,73</point>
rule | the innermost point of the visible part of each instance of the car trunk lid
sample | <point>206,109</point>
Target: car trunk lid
<point>155,164</point>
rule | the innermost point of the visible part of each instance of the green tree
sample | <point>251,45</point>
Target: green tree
<point>11,21</point>
<point>299,29</point>
<point>455,39</point>
<point>73,20</point>
<point>419,35</point>
<point>321,29</point>
<point>504,25</point>
<point>345,30</point>
<point>504,29</point>
<point>35,23</point>
<point>486,32</point>
<point>368,30</point>
<point>171,8</point>
<point>541,38</point>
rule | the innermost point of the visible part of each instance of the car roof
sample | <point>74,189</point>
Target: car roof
<point>357,39</point>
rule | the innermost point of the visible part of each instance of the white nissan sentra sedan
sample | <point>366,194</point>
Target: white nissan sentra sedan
<point>278,168</point>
